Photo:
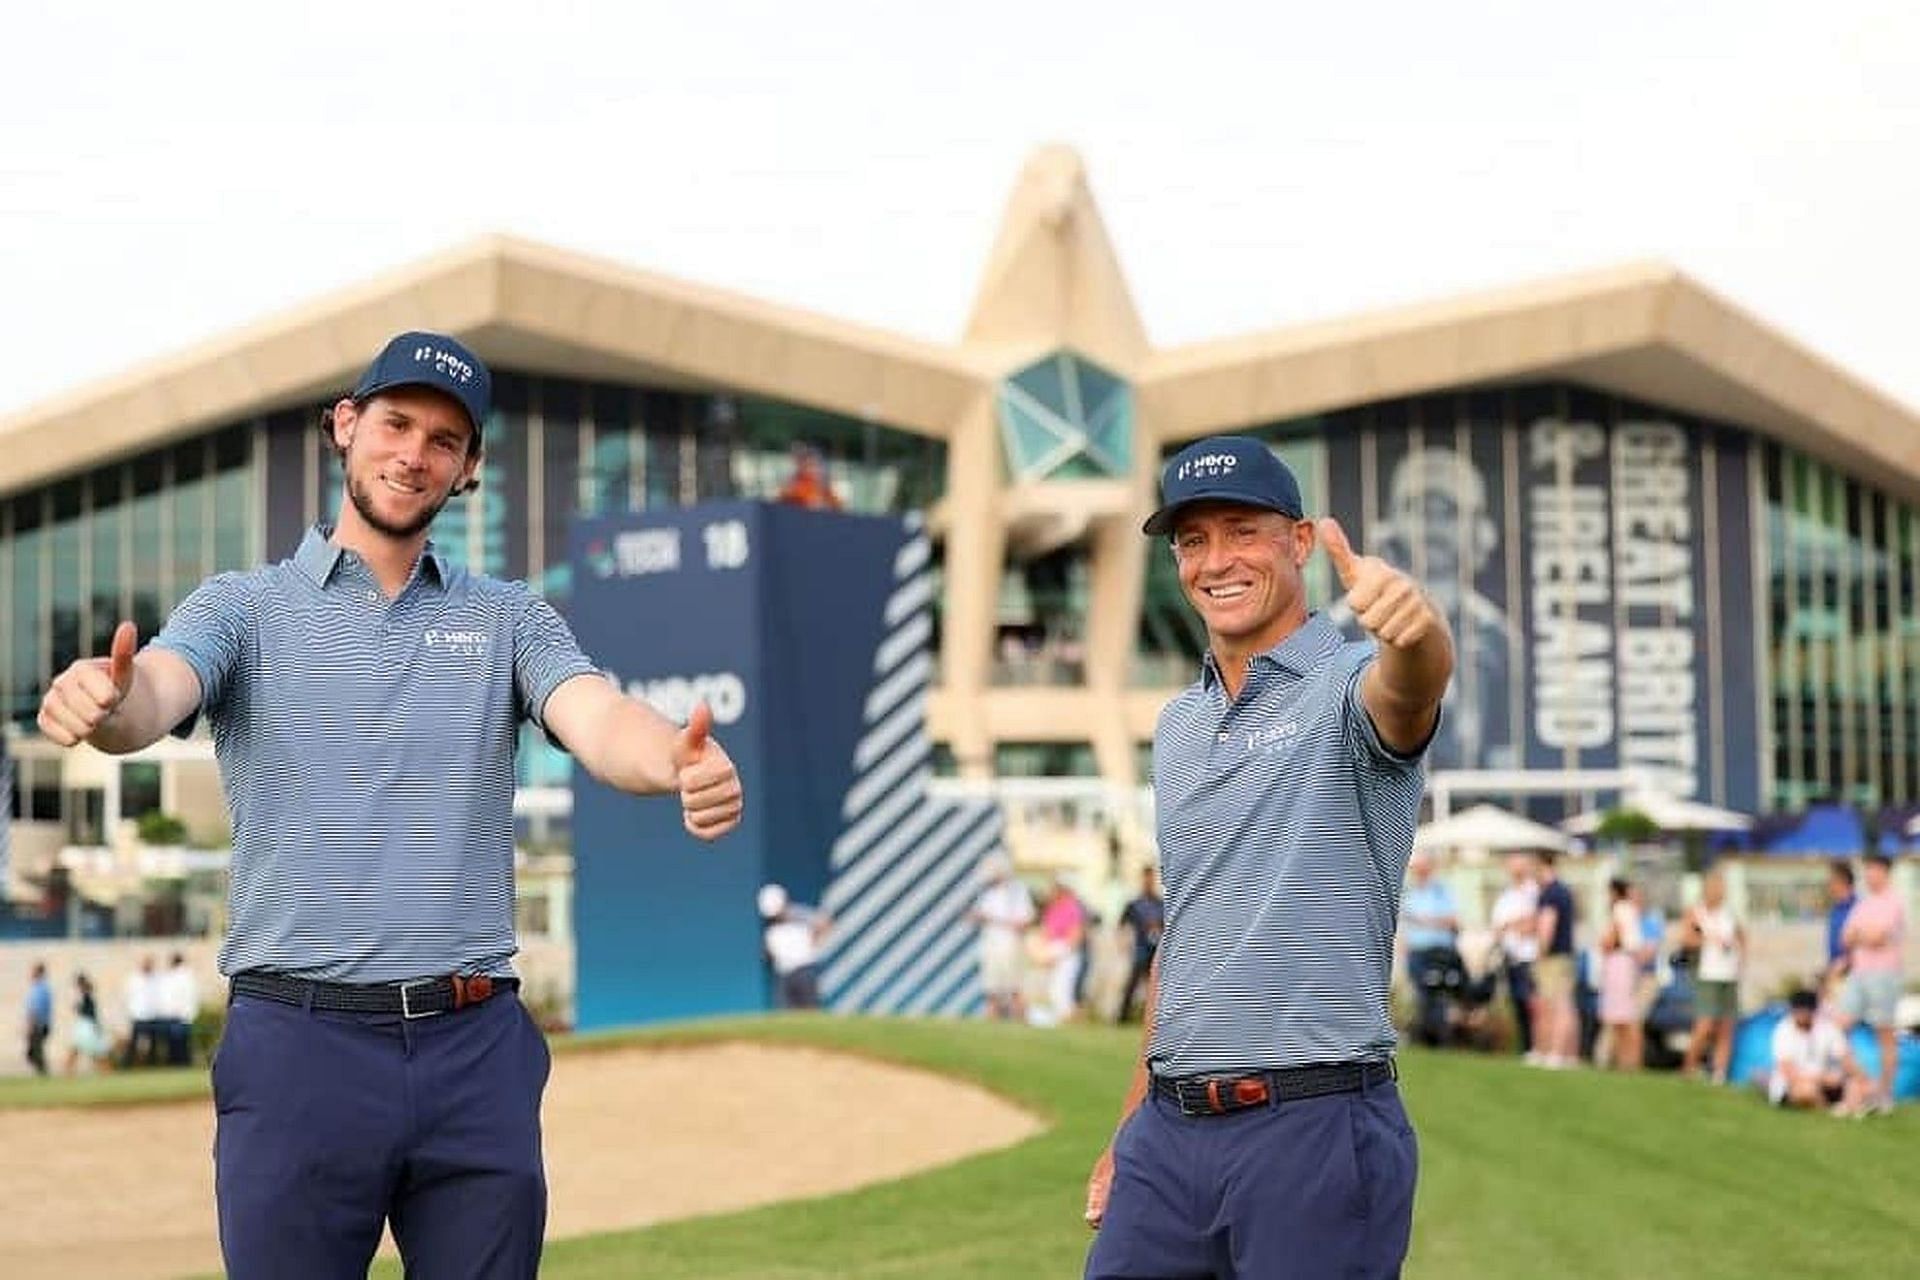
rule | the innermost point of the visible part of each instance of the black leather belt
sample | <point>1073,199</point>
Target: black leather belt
<point>1219,1095</point>
<point>420,998</point>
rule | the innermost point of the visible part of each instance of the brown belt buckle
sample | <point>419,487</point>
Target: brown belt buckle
<point>1250,1091</point>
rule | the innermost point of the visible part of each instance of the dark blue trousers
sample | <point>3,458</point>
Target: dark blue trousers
<point>330,1124</point>
<point>1295,1191</point>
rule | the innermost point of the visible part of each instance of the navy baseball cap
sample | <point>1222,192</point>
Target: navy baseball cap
<point>418,359</point>
<point>1224,469</point>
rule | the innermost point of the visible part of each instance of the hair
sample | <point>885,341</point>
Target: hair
<point>1841,871</point>
<point>1547,856</point>
<point>1617,888</point>
<point>1878,859</point>
<point>1803,999</point>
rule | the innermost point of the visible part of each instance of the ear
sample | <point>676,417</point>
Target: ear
<point>346,415</point>
<point>467,483</point>
<point>1303,542</point>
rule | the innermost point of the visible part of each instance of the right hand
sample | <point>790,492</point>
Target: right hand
<point>86,693</point>
<point>1099,1183</point>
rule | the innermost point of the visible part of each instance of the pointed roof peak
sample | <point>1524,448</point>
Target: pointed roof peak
<point>1053,279</point>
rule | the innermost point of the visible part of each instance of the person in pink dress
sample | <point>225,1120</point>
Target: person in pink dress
<point>1620,977</point>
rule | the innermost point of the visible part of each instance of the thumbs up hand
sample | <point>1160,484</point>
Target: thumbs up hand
<point>1386,602</point>
<point>710,794</point>
<point>82,697</point>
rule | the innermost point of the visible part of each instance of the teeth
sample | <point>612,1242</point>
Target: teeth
<point>397,487</point>
<point>1227,593</point>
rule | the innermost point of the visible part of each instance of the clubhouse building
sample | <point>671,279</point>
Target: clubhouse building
<point>1671,540</point>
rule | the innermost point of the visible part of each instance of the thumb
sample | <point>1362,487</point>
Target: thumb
<point>126,638</point>
<point>693,738</point>
<point>1339,550</point>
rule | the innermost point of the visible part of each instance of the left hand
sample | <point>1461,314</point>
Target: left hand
<point>710,795</point>
<point>1386,602</point>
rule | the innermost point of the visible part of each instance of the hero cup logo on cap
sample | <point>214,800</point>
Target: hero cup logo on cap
<point>1207,465</point>
<point>422,359</point>
<point>1231,469</point>
<point>445,363</point>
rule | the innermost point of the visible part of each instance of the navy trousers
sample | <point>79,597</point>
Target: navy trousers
<point>330,1124</point>
<point>1303,1190</point>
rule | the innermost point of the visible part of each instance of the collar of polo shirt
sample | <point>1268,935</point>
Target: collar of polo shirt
<point>1296,655</point>
<point>319,555</point>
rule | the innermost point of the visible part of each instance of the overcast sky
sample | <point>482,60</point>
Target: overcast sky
<point>169,172</point>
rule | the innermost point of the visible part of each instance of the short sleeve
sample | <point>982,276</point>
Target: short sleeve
<point>1365,736</point>
<point>545,656</point>
<point>209,631</point>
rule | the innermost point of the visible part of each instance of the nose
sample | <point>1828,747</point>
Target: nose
<point>1217,556</point>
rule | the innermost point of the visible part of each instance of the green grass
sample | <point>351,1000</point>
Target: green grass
<point>1523,1174</point>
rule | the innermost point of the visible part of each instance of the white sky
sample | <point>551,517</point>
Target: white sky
<point>168,172</point>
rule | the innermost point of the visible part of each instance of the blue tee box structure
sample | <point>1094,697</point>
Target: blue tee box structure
<point>772,616</point>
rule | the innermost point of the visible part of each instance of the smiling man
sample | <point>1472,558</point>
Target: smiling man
<point>365,698</point>
<point>1262,1135</point>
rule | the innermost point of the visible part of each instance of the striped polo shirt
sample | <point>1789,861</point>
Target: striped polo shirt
<point>1285,825</point>
<point>367,746</point>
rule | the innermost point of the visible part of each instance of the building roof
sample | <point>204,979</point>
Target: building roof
<point>1053,280</point>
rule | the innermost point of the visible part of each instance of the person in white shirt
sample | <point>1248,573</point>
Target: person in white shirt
<point>144,1028</point>
<point>1812,1063</point>
<point>1721,942</point>
<point>177,1004</point>
<point>1003,914</point>
<point>1515,913</point>
<point>793,939</point>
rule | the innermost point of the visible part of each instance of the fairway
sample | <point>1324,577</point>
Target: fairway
<point>1524,1174</point>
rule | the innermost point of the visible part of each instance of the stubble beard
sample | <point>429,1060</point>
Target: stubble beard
<point>362,501</point>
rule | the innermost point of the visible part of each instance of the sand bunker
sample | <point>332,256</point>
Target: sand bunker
<point>127,1193</point>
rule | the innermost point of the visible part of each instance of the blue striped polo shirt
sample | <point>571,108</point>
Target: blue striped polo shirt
<point>367,747</point>
<point>1285,825</point>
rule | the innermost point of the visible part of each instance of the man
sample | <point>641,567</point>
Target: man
<point>1145,918</point>
<point>1263,1135</point>
<point>1839,904</point>
<point>365,697</point>
<point>1556,1040</point>
<point>144,1029</point>
<point>1875,934</point>
<point>792,936</point>
<point>1513,917</point>
<point>179,1002</point>
<point>1429,928</point>
<point>1003,914</point>
<point>1812,1065</point>
<point>39,1010</point>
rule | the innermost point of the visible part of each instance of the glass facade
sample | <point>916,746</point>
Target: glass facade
<point>1044,760</point>
<point>126,540</point>
<point>1842,637</point>
<point>1040,620</point>
<point>1066,418</point>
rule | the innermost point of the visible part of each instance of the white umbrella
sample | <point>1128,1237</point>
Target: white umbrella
<point>1487,827</point>
<point>1667,813</point>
